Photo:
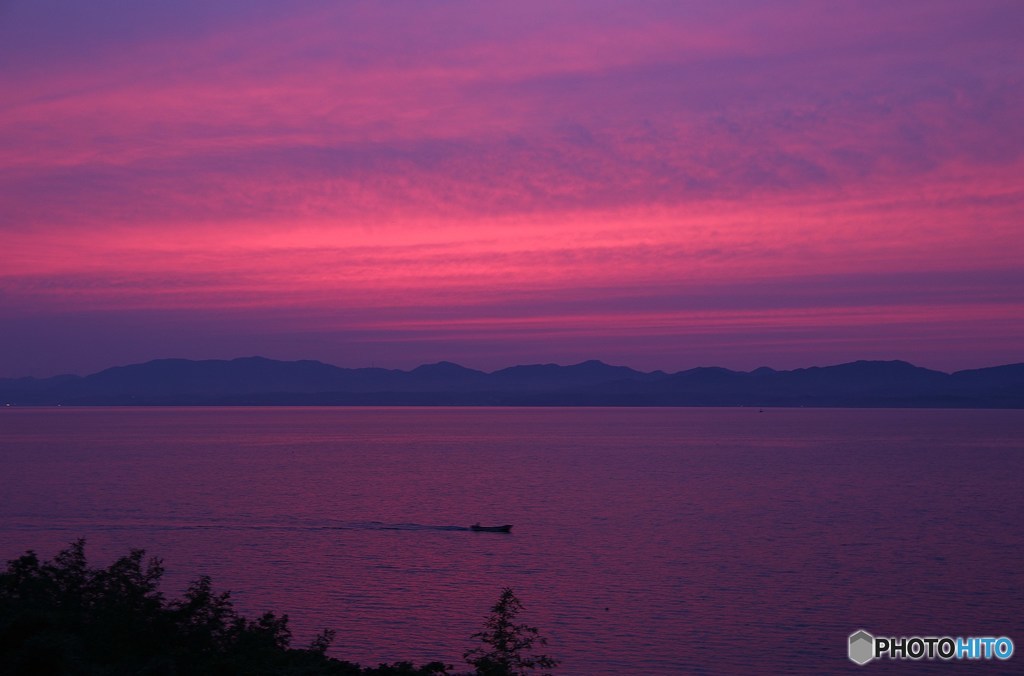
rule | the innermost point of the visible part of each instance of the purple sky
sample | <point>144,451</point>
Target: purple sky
<point>658,184</point>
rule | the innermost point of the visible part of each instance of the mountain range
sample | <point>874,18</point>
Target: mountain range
<point>261,381</point>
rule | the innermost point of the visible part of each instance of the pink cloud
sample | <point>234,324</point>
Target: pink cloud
<point>353,162</point>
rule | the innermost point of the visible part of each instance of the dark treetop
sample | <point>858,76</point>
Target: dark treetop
<point>62,617</point>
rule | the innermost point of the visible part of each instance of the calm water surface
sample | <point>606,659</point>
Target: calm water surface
<point>646,541</point>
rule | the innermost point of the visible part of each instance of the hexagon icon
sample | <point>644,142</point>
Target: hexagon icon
<point>862,647</point>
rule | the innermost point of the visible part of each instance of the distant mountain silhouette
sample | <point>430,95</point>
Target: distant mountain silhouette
<point>261,381</point>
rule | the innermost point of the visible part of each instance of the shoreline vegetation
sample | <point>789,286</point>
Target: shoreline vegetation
<point>62,617</point>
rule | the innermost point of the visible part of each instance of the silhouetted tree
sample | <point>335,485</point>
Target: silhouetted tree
<point>62,617</point>
<point>322,641</point>
<point>506,644</point>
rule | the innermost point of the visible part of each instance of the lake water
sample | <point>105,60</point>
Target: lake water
<point>646,541</point>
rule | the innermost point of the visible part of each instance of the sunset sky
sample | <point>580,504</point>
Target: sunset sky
<point>655,184</point>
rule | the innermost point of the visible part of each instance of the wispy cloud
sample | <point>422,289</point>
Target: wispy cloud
<point>362,160</point>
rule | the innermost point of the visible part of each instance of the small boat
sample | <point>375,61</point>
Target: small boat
<point>491,529</point>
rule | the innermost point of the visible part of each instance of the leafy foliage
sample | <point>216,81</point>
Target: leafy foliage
<point>62,617</point>
<point>506,644</point>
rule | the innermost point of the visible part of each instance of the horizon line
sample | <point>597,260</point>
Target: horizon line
<point>453,363</point>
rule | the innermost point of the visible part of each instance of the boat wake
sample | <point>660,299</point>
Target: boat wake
<point>86,525</point>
